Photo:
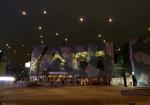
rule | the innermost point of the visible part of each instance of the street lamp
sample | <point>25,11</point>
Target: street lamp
<point>104,41</point>
<point>44,12</point>
<point>39,28</point>
<point>81,19</point>
<point>15,51</point>
<point>9,47</point>
<point>110,20</point>
<point>22,45</point>
<point>7,44</point>
<point>24,13</point>
<point>66,39</point>
<point>99,35</point>
<point>42,42</point>
<point>41,36</point>
<point>27,64</point>
<point>57,34</point>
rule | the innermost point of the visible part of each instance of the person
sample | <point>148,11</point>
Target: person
<point>78,81</point>
<point>134,80</point>
<point>125,81</point>
<point>87,81</point>
<point>63,81</point>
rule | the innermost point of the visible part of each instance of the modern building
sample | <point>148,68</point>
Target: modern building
<point>133,60</point>
<point>140,59</point>
<point>91,61</point>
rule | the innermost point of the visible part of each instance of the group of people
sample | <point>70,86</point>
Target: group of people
<point>82,81</point>
<point>93,81</point>
<point>60,81</point>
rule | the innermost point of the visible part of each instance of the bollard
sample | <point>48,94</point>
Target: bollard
<point>131,103</point>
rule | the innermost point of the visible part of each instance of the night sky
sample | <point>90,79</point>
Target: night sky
<point>20,32</point>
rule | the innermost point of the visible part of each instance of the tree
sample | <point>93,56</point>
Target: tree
<point>22,74</point>
<point>100,64</point>
<point>83,64</point>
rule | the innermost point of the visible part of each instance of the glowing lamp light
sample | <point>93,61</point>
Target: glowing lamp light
<point>15,51</point>
<point>7,44</point>
<point>9,47</point>
<point>149,29</point>
<point>22,45</point>
<point>81,19</point>
<point>133,73</point>
<point>11,79</point>
<point>44,12</point>
<point>57,34</point>
<point>42,42</point>
<point>99,35</point>
<point>70,76</point>
<point>39,28</point>
<point>66,39</point>
<point>24,13</point>
<point>110,20</point>
<point>104,41</point>
<point>41,36</point>
<point>27,65</point>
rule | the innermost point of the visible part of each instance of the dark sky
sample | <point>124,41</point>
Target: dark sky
<point>130,18</point>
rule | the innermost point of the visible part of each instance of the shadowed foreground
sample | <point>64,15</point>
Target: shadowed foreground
<point>86,95</point>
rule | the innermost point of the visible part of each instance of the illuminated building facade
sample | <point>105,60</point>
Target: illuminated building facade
<point>82,61</point>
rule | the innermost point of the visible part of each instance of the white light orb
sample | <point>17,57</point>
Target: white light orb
<point>104,41</point>
<point>57,34</point>
<point>81,19</point>
<point>7,44</point>
<point>9,47</point>
<point>110,20</point>
<point>42,41</point>
<point>66,39</point>
<point>41,36</point>
<point>15,51</point>
<point>27,64</point>
<point>44,12</point>
<point>39,28</point>
<point>99,35</point>
<point>24,13</point>
<point>22,45</point>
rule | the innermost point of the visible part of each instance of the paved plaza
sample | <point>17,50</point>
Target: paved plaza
<point>71,95</point>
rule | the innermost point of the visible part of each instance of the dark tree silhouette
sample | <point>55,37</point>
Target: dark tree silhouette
<point>100,64</point>
<point>83,64</point>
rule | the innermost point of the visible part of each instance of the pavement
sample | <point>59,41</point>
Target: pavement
<point>72,95</point>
